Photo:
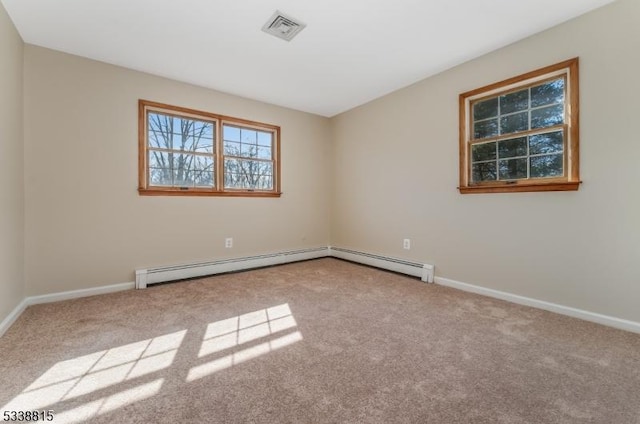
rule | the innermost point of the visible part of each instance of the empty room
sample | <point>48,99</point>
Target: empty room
<point>319,211</point>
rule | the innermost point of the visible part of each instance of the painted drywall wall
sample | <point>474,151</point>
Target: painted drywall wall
<point>87,226</point>
<point>396,173</point>
<point>11,168</point>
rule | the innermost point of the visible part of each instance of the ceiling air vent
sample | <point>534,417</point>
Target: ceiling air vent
<point>283,26</point>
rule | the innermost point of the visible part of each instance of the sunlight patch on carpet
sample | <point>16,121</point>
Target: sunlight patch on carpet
<point>87,386</point>
<point>87,374</point>
<point>244,355</point>
<point>109,403</point>
<point>232,332</point>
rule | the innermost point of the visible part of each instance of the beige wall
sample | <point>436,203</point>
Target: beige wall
<point>87,226</point>
<point>396,172</point>
<point>11,168</point>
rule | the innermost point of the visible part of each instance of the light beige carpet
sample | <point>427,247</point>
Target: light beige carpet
<point>323,341</point>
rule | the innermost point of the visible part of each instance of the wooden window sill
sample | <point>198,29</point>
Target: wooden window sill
<point>200,193</point>
<point>520,188</point>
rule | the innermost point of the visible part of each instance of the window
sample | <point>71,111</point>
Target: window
<point>522,134</point>
<point>193,153</point>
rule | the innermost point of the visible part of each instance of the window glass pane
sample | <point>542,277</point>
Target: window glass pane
<point>514,102</point>
<point>248,174</point>
<point>155,139</point>
<point>485,109</point>
<point>233,179</point>
<point>264,152</point>
<point>513,169</point>
<point>203,137</point>
<point>183,178</point>
<point>175,124</point>
<point>197,163</point>
<point>265,182</point>
<point>160,177</point>
<point>547,116</point>
<point>202,163</point>
<point>204,147</point>
<point>179,133</point>
<point>264,138</point>
<point>188,143</point>
<point>207,131</point>
<point>514,123</point>
<point>231,133</point>
<point>485,129</point>
<point>159,159</point>
<point>159,130</point>
<point>512,147</point>
<point>203,178</point>
<point>231,148</point>
<point>202,170</point>
<point>181,162</point>
<point>546,166</point>
<point>548,93</point>
<point>248,150</point>
<point>247,143</point>
<point>484,151</point>
<point>546,143</point>
<point>248,136</point>
<point>180,169</point>
<point>484,171</point>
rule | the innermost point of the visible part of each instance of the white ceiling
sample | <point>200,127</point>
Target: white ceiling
<point>351,52</point>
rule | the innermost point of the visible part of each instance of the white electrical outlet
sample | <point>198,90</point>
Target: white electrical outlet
<point>228,242</point>
<point>406,244</point>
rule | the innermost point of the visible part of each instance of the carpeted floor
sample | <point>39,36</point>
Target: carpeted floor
<point>322,341</point>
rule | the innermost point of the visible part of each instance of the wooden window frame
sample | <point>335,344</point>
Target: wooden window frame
<point>571,178</point>
<point>145,189</point>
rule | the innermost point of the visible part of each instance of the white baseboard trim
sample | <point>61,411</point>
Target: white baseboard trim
<point>13,316</point>
<point>75,294</point>
<point>56,297</point>
<point>607,320</point>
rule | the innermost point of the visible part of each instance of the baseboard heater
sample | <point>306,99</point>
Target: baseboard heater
<point>150,276</point>
<point>424,271</point>
<point>146,277</point>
